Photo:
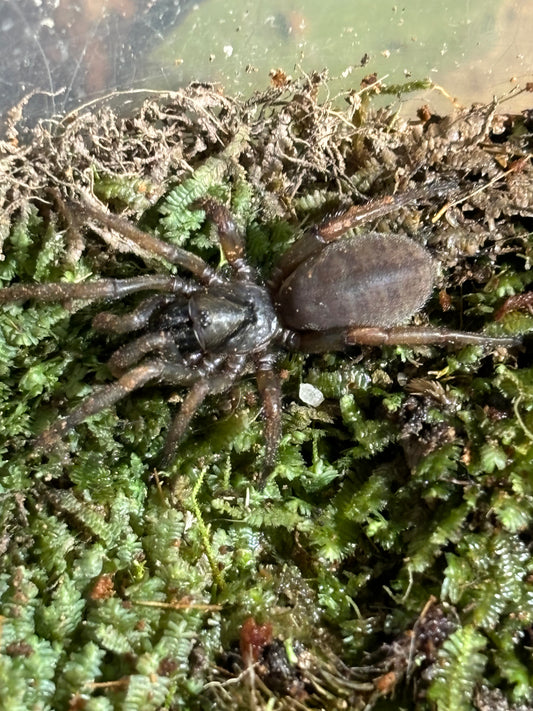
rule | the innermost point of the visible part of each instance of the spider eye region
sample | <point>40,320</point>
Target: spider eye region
<point>215,320</point>
<point>204,319</point>
<point>232,321</point>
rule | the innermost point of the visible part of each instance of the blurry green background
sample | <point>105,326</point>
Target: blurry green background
<point>76,51</point>
<point>238,43</point>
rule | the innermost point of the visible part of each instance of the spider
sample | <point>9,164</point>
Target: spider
<point>204,333</point>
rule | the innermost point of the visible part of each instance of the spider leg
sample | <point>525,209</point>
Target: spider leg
<point>411,335</point>
<point>328,341</point>
<point>171,252</point>
<point>135,320</point>
<point>335,227</point>
<point>204,386</point>
<point>230,237</point>
<point>151,371</point>
<point>109,289</point>
<point>181,421</point>
<point>163,342</point>
<point>315,341</point>
<point>100,400</point>
<point>269,384</point>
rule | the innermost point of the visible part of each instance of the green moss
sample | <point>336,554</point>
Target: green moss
<point>461,664</point>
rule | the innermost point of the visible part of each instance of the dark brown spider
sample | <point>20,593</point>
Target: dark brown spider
<point>204,333</point>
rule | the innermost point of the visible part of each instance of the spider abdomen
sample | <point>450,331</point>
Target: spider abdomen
<point>366,280</point>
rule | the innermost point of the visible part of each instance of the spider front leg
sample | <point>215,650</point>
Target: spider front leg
<point>100,400</point>
<point>152,245</point>
<point>135,320</point>
<point>108,289</point>
<point>231,239</point>
<point>161,342</point>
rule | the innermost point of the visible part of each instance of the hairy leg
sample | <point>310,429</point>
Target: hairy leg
<point>419,336</point>
<point>269,384</point>
<point>328,341</point>
<point>181,421</point>
<point>335,227</point>
<point>156,370</point>
<point>133,321</point>
<point>160,342</point>
<point>206,384</point>
<point>109,289</point>
<point>172,253</point>
<point>231,239</point>
<point>315,341</point>
<point>101,399</point>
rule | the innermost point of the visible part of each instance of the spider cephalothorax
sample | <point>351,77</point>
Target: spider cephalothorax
<point>204,333</point>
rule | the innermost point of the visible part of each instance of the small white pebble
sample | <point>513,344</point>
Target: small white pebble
<point>310,395</point>
<point>228,50</point>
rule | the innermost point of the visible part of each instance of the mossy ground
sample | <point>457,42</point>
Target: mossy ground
<point>387,561</point>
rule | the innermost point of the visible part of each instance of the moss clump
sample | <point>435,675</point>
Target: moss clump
<point>388,557</point>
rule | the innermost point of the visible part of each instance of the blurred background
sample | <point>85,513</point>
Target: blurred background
<point>58,55</point>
